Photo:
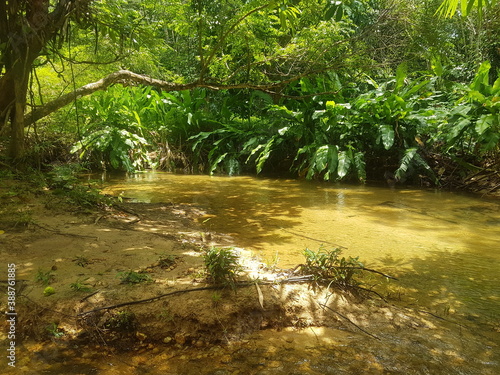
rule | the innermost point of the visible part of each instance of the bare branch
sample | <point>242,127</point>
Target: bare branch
<point>126,78</point>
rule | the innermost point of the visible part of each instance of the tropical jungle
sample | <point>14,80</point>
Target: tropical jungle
<point>250,187</point>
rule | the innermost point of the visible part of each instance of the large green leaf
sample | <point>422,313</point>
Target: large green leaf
<point>387,134</point>
<point>484,123</point>
<point>344,164</point>
<point>359,163</point>
<point>405,163</point>
<point>481,80</point>
<point>333,160</point>
<point>401,74</point>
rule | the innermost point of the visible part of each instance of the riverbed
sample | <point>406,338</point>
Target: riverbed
<point>441,316</point>
<point>443,246</point>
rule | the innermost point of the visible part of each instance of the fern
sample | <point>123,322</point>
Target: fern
<point>413,160</point>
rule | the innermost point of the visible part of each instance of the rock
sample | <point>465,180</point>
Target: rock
<point>167,340</point>
<point>180,338</point>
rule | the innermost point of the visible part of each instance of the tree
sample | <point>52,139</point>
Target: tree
<point>254,45</point>
<point>26,29</point>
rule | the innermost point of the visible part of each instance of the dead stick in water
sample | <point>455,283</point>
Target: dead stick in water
<point>58,232</point>
<point>350,321</point>
<point>313,239</point>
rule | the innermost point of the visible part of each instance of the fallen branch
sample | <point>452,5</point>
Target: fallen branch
<point>313,239</point>
<point>352,268</point>
<point>150,299</point>
<point>294,279</point>
<point>63,233</point>
<point>350,321</point>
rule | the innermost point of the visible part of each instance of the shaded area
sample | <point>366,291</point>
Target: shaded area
<point>439,284</point>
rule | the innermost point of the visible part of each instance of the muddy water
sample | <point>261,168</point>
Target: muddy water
<point>443,247</point>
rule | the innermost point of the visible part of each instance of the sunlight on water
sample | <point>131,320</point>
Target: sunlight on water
<point>444,247</point>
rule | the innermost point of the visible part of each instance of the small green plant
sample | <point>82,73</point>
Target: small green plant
<point>166,261</point>
<point>328,267</point>
<point>82,261</point>
<point>23,219</point>
<point>44,277</point>
<point>64,176</point>
<point>81,286</point>
<point>167,316</point>
<point>222,266</point>
<point>54,331</point>
<point>273,262</point>
<point>48,291</point>
<point>216,298</point>
<point>132,277</point>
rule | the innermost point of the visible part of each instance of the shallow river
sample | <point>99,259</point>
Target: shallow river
<point>443,247</point>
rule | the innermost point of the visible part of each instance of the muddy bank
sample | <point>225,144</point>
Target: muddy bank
<point>274,328</point>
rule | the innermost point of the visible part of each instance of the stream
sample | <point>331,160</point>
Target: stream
<point>442,246</point>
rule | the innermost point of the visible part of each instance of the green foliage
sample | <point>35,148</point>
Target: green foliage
<point>329,139</point>
<point>64,176</point>
<point>328,268</point>
<point>222,266</point>
<point>114,133</point>
<point>347,106</point>
<point>81,286</point>
<point>132,277</point>
<point>54,331</point>
<point>216,298</point>
<point>449,8</point>
<point>475,122</point>
<point>65,180</point>
<point>44,277</point>
<point>23,218</point>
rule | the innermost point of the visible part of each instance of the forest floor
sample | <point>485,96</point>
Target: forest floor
<point>73,302</point>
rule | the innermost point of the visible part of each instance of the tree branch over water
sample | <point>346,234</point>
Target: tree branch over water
<point>127,78</point>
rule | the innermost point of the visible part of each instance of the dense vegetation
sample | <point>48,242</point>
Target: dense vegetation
<point>321,89</point>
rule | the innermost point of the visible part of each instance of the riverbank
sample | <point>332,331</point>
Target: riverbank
<point>276,328</point>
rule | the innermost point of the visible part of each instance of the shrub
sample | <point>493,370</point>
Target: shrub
<point>327,267</point>
<point>222,266</point>
<point>132,277</point>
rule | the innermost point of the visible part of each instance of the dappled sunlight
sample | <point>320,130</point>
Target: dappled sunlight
<point>441,245</point>
<point>439,314</point>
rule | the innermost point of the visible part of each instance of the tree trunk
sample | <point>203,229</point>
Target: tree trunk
<point>25,28</point>
<point>16,146</point>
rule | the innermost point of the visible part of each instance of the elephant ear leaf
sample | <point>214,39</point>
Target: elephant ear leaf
<point>387,133</point>
<point>344,163</point>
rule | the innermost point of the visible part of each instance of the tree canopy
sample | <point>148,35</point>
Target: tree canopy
<point>324,88</point>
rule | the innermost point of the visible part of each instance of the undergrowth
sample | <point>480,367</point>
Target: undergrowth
<point>328,267</point>
<point>222,266</point>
